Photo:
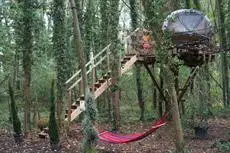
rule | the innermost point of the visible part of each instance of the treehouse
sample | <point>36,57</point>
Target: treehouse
<point>140,43</point>
<point>192,36</point>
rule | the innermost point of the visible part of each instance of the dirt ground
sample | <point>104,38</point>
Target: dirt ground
<point>159,142</point>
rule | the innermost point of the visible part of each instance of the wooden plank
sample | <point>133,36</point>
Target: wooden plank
<point>101,60</point>
<point>74,114</point>
<point>128,64</point>
<point>102,88</point>
<point>76,83</point>
<point>70,79</point>
<point>102,51</point>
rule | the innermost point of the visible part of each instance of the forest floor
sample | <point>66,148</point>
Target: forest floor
<point>159,142</point>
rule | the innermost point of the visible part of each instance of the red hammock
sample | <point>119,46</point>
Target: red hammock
<point>110,137</point>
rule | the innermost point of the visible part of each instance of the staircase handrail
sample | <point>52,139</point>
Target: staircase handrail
<point>78,73</point>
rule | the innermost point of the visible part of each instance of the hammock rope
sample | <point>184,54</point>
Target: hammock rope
<point>114,138</point>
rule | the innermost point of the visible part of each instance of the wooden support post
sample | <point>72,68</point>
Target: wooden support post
<point>108,63</point>
<point>155,82</point>
<point>81,88</point>
<point>93,72</point>
<point>187,83</point>
<point>69,103</point>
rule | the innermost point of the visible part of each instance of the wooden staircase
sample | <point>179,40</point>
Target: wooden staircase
<point>105,81</point>
<point>101,86</point>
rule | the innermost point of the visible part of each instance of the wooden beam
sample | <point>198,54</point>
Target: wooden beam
<point>129,64</point>
<point>155,82</point>
<point>187,83</point>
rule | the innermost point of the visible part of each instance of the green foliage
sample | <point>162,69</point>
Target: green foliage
<point>223,147</point>
<point>14,114</point>
<point>53,129</point>
<point>90,132</point>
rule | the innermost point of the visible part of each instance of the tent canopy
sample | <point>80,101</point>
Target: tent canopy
<point>188,22</point>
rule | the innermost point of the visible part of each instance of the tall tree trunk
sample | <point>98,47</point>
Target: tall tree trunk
<point>134,23</point>
<point>79,44</point>
<point>89,16</point>
<point>160,98</point>
<point>175,110</point>
<point>140,92</point>
<point>223,43</point>
<point>27,59</point>
<point>169,79</point>
<point>104,6</point>
<point>90,133</point>
<point>115,66</point>
<point>59,46</point>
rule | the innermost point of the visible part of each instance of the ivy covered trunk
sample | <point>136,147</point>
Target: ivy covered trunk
<point>59,47</point>
<point>27,59</point>
<point>53,128</point>
<point>18,136</point>
<point>140,92</point>
<point>90,133</point>
<point>115,66</point>
<point>134,23</point>
<point>174,108</point>
<point>223,44</point>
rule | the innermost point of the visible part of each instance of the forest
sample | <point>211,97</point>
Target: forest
<point>114,76</point>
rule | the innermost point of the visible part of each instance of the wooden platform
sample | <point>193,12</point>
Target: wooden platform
<point>194,55</point>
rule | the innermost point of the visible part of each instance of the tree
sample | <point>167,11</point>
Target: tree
<point>88,32</point>
<point>59,46</point>
<point>169,64</point>
<point>134,23</point>
<point>115,66</point>
<point>223,45</point>
<point>15,118</point>
<point>53,128</point>
<point>89,130</point>
<point>27,45</point>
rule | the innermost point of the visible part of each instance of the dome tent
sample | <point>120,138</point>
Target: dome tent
<point>188,24</point>
<point>192,36</point>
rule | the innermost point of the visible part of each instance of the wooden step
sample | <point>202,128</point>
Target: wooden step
<point>106,77</point>
<point>90,88</point>
<point>66,115</point>
<point>109,73</point>
<point>74,106</point>
<point>123,61</point>
<point>101,80</point>
<point>82,97</point>
<point>97,85</point>
<point>126,58</point>
<point>78,101</point>
<point>67,111</point>
<point>46,130</point>
<point>42,135</point>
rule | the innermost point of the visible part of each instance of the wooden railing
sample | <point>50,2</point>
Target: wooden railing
<point>91,66</point>
<point>103,57</point>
